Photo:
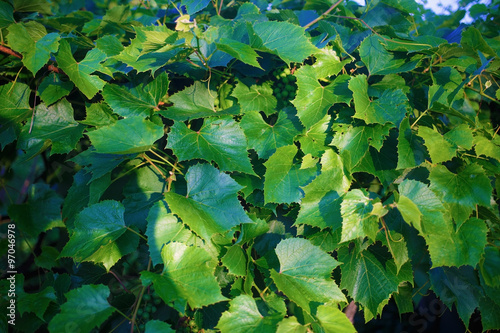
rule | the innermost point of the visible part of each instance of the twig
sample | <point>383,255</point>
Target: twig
<point>323,15</point>
<point>119,281</point>
<point>11,52</point>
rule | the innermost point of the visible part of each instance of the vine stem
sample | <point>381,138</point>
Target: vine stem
<point>135,232</point>
<point>319,18</point>
<point>119,281</point>
<point>138,302</point>
<point>154,166</point>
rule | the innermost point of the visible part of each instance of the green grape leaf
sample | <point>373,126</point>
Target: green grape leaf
<point>380,61</point>
<point>320,206</point>
<point>81,72</point>
<point>52,89</point>
<point>332,320</point>
<point>484,146</point>
<point>265,138</point>
<point>6,15</point>
<point>14,109</point>
<point>196,101</point>
<point>490,266</point>
<point>284,179</point>
<point>459,287</point>
<point>99,115</point>
<point>194,6</point>
<point>396,244</point>
<point>100,235</point>
<point>275,37</point>
<point>328,63</point>
<point>87,307</point>
<point>164,227</point>
<point>291,325</point>
<point>55,126</point>
<point>439,148</point>
<point>235,261</point>
<point>211,204</point>
<point>313,140</point>
<point>390,107</point>
<point>463,190</point>
<point>139,100</point>
<point>240,51</point>
<point>354,143</point>
<point>305,274</point>
<point>158,326</point>
<point>36,302</point>
<point>313,100</point>
<point>219,139</point>
<point>40,6</point>
<point>40,213</point>
<point>255,97</point>
<point>358,218</point>
<point>244,315</point>
<point>188,274</point>
<point>36,53</point>
<point>411,150</point>
<point>141,134</point>
<point>369,281</point>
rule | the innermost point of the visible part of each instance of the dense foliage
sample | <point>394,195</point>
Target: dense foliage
<point>246,166</point>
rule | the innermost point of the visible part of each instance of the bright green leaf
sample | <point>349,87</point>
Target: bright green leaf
<point>196,101</point>
<point>238,50</point>
<point>332,320</point>
<point>439,148</point>
<point>255,97</point>
<point>211,204</point>
<point>357,218</point>
<point>188,274</point>
<point>219,139</point>
<point>305,274</point>
<point>86,308</point>
<point>235,261</point>
<point>283,178</point>
<point>141,134</point>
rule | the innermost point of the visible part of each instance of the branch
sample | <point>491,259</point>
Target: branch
<point>13,53</point>
<point>324,14</point>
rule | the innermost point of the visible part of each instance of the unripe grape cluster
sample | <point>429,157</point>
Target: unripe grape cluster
<point>149,304</point>
<point>284,86</point>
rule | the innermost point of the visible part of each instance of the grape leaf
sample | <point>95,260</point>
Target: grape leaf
<point>80,72</point>
<point>380,61</point>
<point>411,150</point>
<point>484,146</point>
<point>333,320</point>
<point>244,315</point>
<point>139,100</point>
<point>194,6</point>
<point>164,227</point>
<point>238,50</point>
<point>463,190</point>
<point>357,217</point>
<point>219,139</point>
<point>100,235</point>
<point>86,308</point>
<point>36,302</point>
<point>14,109</point>
<point>141,134</point>
<point>256,97</point>
<point>235,261</point>
<point>211,204</point>
<point>489,266</point>
<point>313,99</point>
<point>290,325</point>
<point>459,287</point>
<point>390,107</point>
<point>369,281</point>
<point>305,274</point>
<point>196,101</point>
<point>320,206</point>
<point>275,37</point>
<point>354,142</point>
<point>36,53</point>
<point>439,148</point>
<point>158,326</point>
<point>6,15</point>
<point>284,179</point>
<point>328,63</point>
<point>313,140</point>
<point>188,274</point>
<point>54,125</point>
<point>265,138</point>
<point>51,89</point>
<point>40,213</point>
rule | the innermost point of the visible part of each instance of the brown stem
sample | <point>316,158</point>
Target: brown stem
<point>11,52</point>
<point>350,311</point>
<point>324,14</point>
